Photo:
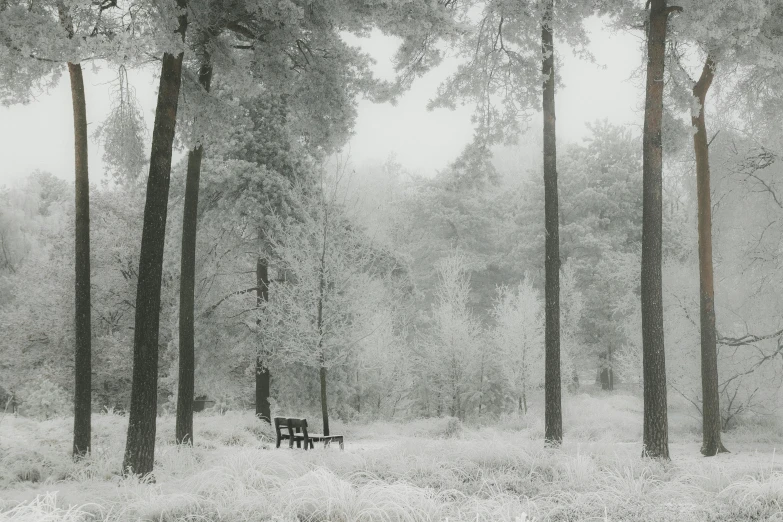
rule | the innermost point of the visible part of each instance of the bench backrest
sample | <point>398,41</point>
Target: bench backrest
<point>298,425</point>
<point>280,424</point>
<point>291,426</point>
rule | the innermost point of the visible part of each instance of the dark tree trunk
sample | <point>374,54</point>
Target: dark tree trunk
<point>82,397</point>
<point>187,284</point>
<point>140,445</point>
<point>711,420</point>
<point>358,394</point>
<point>607,371</point>
<point>611,370</point>
<point>656,429</point>
<point>481,385</point>
<point>324,407</point>
<point>319,325</point>
<point>262,369</point>
<point>553,418</point>
<point>263,381</point>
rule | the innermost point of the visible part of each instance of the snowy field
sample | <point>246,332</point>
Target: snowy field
<point>425,470</point>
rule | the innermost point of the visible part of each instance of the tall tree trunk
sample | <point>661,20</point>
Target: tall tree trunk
<point>358,394</point>
<point>187,283</point>
<point>82,393</point>
<point>140,444</point>
<point>481,385</point>
<point>322,357</point>
<point>656,429</point>
<point>324,406</point>
<point>82,397</point>
<point>611,368</point>
<point>262,369</point>
<point>319,325</point>
<point>711,420</point>
<point>553,417</point>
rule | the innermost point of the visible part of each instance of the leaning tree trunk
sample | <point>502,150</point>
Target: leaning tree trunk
<point>656,430</point>
<point>711,419</point>
<point>187,284</point>
<point>82,397</point>
<point>263,377</point>
<point>140,445</point>
<point>553,417</point>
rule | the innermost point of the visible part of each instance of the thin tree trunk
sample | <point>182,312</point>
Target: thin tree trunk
<point>82,396</point>
<point>457,402</point>
<point>187,284</point>
<point>481,385</point>
<point>262,369</point>
<point>322,357</point>
<point>319,325</point>
<point>611,369</point>
<point>139,456</point>
<point>324,407</point>
<point>553,418</point>
<point>358,394</point>
<point>656,429</point>
<point>82,400</point>
<point>711,421</point>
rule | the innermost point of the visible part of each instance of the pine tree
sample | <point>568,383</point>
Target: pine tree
<point>656,426</point>
<point>140,445</point>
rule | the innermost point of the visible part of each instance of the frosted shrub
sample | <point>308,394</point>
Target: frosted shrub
<point>453,428</point>
<point>43,399</point>
<point>438,428</point>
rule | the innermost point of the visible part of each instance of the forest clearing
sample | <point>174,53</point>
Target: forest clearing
<point>426,470</point>
<point>523,259</point>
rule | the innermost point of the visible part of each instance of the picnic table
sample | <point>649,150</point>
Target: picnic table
<point>295,430</point>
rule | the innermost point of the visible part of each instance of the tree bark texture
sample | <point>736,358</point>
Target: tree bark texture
<point>187,284</point>
<point>82,399</point>
<point>140,444</point>
<point>263,376</point>
<point>553,418</point>
<point>711,419</point>
<point>656,429</point>
<point>319,325</point>
<point>324,406</point>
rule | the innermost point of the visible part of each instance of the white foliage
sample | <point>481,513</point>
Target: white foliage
<point>519,336</point>
<point>452,349</point>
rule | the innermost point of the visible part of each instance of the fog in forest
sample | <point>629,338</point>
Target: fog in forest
<point>413,260</point>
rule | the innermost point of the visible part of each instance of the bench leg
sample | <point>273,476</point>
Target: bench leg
<point>278,443</point>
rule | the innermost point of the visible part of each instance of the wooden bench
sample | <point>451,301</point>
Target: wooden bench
<point>295,430</point>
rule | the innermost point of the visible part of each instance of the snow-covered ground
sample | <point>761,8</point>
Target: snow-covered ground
<point>423,470</point>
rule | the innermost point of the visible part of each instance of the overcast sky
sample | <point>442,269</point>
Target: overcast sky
<point>40,135</point>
